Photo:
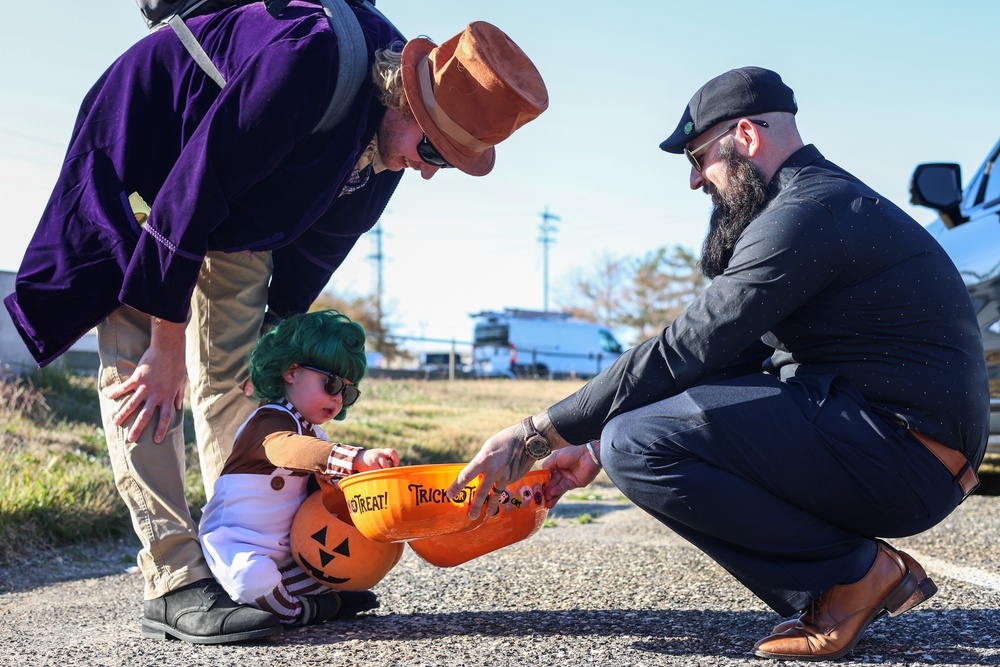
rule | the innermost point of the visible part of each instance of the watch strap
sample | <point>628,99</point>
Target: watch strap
<point>529,428</point>
<point>536,445</point>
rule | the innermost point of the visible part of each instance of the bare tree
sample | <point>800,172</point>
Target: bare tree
<point>364,311</point>
<point>638,295</point>
<point>661,288</point>
<point>598,291</point>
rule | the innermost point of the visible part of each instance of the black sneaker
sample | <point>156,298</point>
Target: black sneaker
<point>203,613</point>
<point>318,609</point>
<point>342,604</point>
<point>355,602</point>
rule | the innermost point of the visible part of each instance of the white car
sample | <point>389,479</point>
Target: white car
<point>969,231</point>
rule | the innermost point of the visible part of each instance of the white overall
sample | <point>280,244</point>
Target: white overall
<point>245,527</point>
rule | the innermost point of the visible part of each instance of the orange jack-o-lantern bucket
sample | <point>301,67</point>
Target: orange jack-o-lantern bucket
<point>521,513</point>
<point>331,550</point>
<point>409,502</point>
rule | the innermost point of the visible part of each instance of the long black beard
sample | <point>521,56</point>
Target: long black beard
<point>742,200</point>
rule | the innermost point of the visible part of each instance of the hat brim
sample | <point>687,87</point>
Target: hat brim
<point>479,164</point>
<point>673,144</point>
<point>676,142</point>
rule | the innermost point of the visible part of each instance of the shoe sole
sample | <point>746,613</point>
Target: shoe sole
<point>156,630</point>
<point>896,599</point>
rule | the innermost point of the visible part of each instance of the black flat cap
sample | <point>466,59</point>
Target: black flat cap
<point>736,94</point>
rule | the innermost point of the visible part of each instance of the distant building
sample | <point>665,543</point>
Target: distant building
<point>14,356</point>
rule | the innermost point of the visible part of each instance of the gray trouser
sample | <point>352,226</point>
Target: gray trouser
<point>227,309</point>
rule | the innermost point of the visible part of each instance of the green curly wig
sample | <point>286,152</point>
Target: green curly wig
<point>325,339</point>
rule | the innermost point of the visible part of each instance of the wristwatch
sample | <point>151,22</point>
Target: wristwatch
<point>535,444</point>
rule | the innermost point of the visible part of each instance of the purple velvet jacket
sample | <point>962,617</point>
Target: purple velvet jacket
<point>236,169</point>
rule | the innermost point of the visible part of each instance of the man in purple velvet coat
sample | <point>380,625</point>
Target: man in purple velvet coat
<point>186,216</point>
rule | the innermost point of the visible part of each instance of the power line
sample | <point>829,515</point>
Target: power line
<point>32,137</point>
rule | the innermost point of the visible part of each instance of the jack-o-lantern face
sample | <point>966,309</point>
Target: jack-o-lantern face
<point>332,551</point>
<point>325,558</point>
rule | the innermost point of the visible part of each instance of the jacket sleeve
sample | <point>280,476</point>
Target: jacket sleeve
<point>304,453</point>
<point>264,111</point>
<point>779,264</point>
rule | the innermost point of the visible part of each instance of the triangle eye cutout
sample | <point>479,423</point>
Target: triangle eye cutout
<point>325,557</point>
<point>343,549</point>
<point>320,536</point>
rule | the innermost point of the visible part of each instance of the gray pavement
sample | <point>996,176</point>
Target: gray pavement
<point>620,590</point>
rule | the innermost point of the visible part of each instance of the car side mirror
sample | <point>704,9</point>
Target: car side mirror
<point>938,186</point>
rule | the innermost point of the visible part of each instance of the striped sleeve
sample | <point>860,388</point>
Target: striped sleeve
<point>341,461</point>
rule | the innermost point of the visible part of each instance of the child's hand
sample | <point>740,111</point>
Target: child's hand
<point>374,459</point>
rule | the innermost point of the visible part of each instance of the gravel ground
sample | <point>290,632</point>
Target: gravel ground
<point>619,590</point>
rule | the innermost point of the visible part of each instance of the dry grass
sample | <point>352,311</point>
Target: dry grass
<point>439,422</point>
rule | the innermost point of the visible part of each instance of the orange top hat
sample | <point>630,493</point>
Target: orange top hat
<point>471,92</point>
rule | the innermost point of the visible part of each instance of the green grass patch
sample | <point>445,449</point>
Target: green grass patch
<point>56,485</point>
<point>59,500</point>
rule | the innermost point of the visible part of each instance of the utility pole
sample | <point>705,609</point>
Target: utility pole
<point>546,228</point>
<point>377,257</point>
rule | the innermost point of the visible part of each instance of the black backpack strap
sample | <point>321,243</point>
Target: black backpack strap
<point>275,7</point>
<point>351,49</point>
<point>352,66</point>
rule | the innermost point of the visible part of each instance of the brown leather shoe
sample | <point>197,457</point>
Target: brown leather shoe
<point>785,626</point>
<point>834,623</point>
<point>926,589</point>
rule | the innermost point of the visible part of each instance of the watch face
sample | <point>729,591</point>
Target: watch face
<point>537,447</point>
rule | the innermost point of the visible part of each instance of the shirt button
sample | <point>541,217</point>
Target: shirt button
<point>277,483</point>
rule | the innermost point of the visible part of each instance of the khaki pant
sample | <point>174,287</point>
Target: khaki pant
<point>227,309</point>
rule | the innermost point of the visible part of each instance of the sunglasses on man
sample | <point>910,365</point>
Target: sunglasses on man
<point>690,154</point>
<point>430,155</point>
<point>337,385</point>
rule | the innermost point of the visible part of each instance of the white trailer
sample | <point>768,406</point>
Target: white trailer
<point>529,343</point>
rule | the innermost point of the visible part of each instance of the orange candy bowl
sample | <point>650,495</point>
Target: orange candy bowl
<point>409,502</point>
<point>522,513</point>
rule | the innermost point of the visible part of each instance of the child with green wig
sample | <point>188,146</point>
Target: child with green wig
<point>305,372</point>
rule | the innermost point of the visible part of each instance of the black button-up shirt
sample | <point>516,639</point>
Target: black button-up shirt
<point>830,280</point>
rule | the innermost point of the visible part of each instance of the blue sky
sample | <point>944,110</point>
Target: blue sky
<point>881,86</point>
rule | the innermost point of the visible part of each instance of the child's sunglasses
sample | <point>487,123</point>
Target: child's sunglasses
<point>337,385</point>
